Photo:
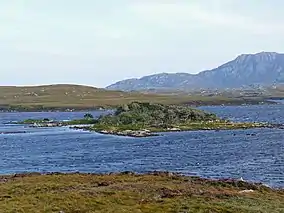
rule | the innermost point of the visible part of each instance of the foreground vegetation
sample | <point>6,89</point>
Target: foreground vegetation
<point>127,192</point>
<point>76,97</point>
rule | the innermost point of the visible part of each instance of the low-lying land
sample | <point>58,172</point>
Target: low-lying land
<point>153,131</point>
<point>128,192</point>
<point>76,97</point>
<point>52,123</point>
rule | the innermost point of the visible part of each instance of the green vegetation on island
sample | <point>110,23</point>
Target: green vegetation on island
<point>146,115</point>
<point>39,121</point>
<point>143,119</point>
<point>88,119</point>
<point>139,119</point>
<point>158,192</point>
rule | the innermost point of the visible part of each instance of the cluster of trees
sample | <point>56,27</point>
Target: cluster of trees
<point>88,116</point>
<point>155,115</point>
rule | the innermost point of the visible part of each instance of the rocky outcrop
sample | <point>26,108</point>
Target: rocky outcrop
<point>43,125</point>
<point>130,133</point>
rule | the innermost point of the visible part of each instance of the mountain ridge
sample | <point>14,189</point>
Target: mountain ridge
<point>263,68</point>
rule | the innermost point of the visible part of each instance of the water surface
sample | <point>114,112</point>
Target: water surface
<point>254,155</point>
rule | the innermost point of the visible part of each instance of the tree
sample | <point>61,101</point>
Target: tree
<point>88,116</point>
<point>46,120</point>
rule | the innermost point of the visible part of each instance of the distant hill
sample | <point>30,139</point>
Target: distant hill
<point>261,69</point>
<point>67,96</point>
<point>62,97</point>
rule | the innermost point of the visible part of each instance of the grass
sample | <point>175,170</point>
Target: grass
<point>159,192</point>
<point>32,121</point>
<point>64,123</point>
<point>191,126</point>
<point>220,126</point>
<point>60,97</point>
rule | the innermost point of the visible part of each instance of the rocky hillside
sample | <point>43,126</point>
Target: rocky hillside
<point>264,69</point>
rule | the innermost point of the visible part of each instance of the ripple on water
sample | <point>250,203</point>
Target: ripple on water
<point>255,155</point>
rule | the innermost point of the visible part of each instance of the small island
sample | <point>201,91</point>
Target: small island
<point>87,120</point>
<point>148,119</point>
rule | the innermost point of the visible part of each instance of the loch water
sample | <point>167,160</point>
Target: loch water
<point>255,155</point>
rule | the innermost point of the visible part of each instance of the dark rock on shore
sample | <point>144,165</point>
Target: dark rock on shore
<point>129,133</point>
<point>12,132</point>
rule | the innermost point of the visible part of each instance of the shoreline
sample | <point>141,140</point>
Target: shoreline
<point>4,178</point>
<point>152,132</point>
<point>149,133</point>
<point>129,192</point>
<point>266,101</point>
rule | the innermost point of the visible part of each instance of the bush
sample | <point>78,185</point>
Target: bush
<point>147,114</point>
<point>88,116</point>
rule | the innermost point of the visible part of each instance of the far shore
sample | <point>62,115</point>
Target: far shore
<point>16,109</point>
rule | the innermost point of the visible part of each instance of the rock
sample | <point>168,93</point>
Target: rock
<point>129,133</point>
<point>7,197</point>
<point>51,124</point>
<point>102,184</point>
<point>174,129</point>
<point>246,191</point>
<point>163,174</point>
<point>127,173</point>
<point>15,132</point>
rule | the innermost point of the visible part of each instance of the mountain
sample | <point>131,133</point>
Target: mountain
<point>263,69</point>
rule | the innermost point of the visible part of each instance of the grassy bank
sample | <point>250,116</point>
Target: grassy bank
<point>161,192</point>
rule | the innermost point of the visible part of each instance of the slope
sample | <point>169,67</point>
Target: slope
<point>263,69</point>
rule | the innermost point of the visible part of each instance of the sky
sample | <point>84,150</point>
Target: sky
<point>95,42</point>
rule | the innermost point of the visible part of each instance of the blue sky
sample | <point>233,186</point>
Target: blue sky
<point>96,42</point>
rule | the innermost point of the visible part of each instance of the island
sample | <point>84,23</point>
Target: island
<point>87,120</point>
<point>143,119</point>
<point>139,119</point>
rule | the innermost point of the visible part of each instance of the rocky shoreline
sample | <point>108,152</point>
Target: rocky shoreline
<point>130,133</point>
<point>12,132</point>
<point>126,133</point>
<point>151,133</point>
